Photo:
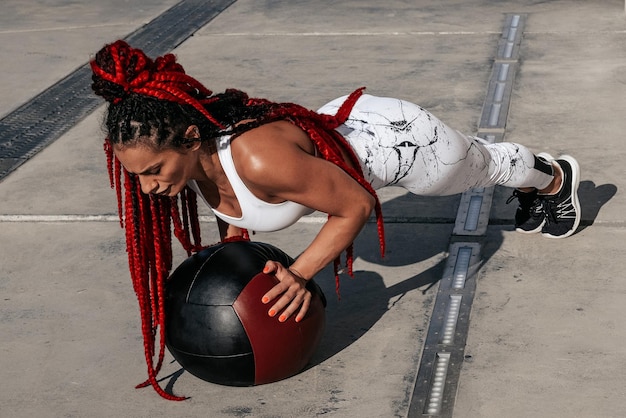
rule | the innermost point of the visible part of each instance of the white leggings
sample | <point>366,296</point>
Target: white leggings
<point>400,144</point>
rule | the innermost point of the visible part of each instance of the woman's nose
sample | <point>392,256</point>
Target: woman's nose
<point>148,184</point>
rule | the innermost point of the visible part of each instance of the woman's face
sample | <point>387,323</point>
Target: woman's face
<point>163,172</point>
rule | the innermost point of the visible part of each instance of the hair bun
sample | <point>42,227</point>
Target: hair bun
<point>118,68</point>
<point>168,63</point>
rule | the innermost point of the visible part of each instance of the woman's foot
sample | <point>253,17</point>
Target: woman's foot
<point>555,211</point>
<point>530,216</point>
<point>562,209</point>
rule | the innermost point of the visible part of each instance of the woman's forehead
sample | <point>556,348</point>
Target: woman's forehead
<point>138,157</point>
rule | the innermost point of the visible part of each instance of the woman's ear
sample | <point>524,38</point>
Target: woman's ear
<point>193,146</point>
<point>192,132</point>
<point>192,135</point>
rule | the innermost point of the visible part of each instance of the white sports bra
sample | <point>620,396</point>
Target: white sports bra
<point>256,215</point>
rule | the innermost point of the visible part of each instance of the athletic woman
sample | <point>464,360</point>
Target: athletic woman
<point>260,166</point>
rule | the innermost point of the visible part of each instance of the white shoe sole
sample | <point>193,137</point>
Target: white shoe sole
<point>533,231</point>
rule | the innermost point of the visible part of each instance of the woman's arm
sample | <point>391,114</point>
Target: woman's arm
<point>290,294</point>
<point>276,163</point>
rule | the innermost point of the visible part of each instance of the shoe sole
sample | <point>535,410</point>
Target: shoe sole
<point>549,158</point>
<point>575,202</point>
<point>532,231</point>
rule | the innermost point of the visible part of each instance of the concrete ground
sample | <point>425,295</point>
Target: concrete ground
<point>545,336</point>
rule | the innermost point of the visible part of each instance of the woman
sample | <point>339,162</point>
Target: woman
<point>260,166</point>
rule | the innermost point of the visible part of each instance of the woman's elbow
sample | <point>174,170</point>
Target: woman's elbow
<point>367,206</point>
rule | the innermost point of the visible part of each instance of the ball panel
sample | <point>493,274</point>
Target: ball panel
<point>206,331</point>
<point>181,279</point>
<point>222,274</point>
<point>223,370</point>
<point>263,252</point>
<point>188,283</point>
<point>280,349</point>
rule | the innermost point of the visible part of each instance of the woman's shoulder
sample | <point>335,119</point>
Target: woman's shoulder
<point>276,134</point>
<point>271,156</point>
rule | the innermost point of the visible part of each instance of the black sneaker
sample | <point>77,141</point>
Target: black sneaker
<point>530,216</point>
<point>563,209</point>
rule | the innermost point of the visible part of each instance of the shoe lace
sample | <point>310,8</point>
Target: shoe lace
<point>522,197</point>
<point>558,211</point>
<point>512,197</point>
<point>527,201</point>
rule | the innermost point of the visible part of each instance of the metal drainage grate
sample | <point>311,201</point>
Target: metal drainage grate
<point>46,117</point>
<point>437,379</point>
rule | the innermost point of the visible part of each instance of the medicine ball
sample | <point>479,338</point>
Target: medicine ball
<point>218,329</point>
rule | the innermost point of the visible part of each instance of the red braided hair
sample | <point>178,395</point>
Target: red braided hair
<point>147,220</point>
<point>162,79</point>
<point>120,73</point>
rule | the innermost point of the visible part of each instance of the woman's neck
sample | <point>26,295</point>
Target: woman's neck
<point>208,167</point>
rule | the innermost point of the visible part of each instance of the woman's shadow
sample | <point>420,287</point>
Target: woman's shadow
<point>417,246</point>
<point>365,298</point>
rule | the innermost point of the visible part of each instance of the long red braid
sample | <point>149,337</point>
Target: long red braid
<point>148,219</point>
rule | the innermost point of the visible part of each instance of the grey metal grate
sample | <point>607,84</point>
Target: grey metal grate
<point>438,374</point>
<point>43,119</point>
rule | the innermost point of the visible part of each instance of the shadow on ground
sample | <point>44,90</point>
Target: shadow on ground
<point>365,298</point>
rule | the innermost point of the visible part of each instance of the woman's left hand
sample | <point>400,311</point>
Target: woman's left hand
<point>290,294</point>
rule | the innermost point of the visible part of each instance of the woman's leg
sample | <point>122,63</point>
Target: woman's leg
<point>458,163</point>
<point>401,144</point>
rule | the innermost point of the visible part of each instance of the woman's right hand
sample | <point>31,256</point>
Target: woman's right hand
<point>290,294</point>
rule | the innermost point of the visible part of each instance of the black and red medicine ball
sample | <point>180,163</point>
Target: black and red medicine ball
<point>218,329</point>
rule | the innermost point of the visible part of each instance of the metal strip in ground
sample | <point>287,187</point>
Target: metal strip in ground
<point>43,119</point>
<point>438,374</point>
<point>313,219</point>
